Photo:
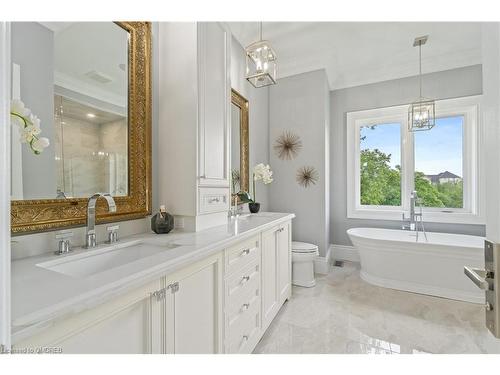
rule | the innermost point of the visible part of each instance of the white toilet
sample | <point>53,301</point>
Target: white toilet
<point>303,255</point>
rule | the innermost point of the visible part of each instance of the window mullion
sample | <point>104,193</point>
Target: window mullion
<point>408,164</point>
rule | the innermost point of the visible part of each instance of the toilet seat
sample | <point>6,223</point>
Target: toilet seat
<point>303,247</point>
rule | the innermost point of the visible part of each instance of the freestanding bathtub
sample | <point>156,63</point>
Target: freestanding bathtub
<point>394,259</point>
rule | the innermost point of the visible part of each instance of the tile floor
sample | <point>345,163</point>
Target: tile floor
<point>344,314</point>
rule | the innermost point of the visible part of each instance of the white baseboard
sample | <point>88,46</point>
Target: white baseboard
<point>322,264</point>
<point>343,252</point>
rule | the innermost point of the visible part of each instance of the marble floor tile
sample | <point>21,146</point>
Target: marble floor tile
<point>344,314</point>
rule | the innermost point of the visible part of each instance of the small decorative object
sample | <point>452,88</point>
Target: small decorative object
<point>307,176</point>
<point>29,127</point>
<point>287,145</point>
<point>254,207</point>
<point>162,222</point>
<point>261,63</point>
<point>262,173</point>
<point>422,112</point>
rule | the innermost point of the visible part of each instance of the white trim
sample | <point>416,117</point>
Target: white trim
<point>473,211</point>
<point>430,290</point>
<point>322,265</point>
<point>343,252</point>
<point>5,314</point>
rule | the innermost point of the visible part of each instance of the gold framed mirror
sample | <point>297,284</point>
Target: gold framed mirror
<point>127,170</point>
<point>239,143</point>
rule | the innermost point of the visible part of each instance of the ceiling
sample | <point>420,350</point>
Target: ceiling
<point>80,111</point>
<point>91,58</point>
<point>358,53</point>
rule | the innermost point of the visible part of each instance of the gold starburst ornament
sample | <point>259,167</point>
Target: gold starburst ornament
<point>287,145</point>
<point>307,176</point>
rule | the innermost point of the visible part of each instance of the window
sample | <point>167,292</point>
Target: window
<point>380,165</point>
<point>386,162</point>
<point>439,164</point>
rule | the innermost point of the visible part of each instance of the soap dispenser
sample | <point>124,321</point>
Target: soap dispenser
<point>162,222</point>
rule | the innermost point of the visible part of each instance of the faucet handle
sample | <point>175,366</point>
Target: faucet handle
<point>112,233</point>
<point>64,235</point>
<point>64,245</point>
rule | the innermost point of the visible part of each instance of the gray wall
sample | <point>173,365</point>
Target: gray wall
<point>33,50</point>
<point>300,104</point>
<point>443,85</point>
<point>258,117</point>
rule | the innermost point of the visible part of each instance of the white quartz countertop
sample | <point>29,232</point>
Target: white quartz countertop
<point>40,295</point>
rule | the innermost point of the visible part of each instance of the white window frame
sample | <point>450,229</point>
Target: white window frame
<point>471,213</point>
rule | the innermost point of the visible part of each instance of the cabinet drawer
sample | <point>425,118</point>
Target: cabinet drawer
<point>243,301</point>
<point>241,282</point>
<point>213,200</point>
<point>242,254</point>
<point>243,334</point>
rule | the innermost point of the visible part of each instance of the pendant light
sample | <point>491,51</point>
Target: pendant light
<point>261,63</point>
<point>422,112</point>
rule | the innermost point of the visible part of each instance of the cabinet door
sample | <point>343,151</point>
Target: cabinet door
<point>196,311</point>
<point>214,103</point>
<point>284,262</point>
<point>270,301</point>
<point>126,325</point>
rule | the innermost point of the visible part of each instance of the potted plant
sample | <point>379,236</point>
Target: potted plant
<point>262,173</point>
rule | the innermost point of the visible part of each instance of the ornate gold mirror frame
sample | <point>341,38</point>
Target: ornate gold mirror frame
<point>50,214</point>
<point>242,103</point>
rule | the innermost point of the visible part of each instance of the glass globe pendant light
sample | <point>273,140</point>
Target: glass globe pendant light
<point>260,63</point>
<point>422,112</point>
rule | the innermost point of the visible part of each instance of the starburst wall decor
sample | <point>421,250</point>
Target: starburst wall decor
<point>307,176</point>
<point>287,145</point>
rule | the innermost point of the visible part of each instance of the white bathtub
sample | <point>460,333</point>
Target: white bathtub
<point>393,259</point>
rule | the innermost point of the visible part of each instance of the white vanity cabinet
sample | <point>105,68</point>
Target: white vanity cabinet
<point>129,324</point>
<point>221,303</point>
<point>194,117</point>
<point>276,271</point>
<point>194,309</point>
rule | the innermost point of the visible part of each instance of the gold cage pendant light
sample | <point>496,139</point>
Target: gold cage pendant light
<point>261,64</point>
<point>422,112</point>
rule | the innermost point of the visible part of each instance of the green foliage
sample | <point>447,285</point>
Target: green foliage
<point>381,184</point>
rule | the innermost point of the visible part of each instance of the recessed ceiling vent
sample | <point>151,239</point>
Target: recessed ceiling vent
<point>98,76</point>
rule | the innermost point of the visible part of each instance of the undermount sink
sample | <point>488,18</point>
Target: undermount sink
<point>90,262</point>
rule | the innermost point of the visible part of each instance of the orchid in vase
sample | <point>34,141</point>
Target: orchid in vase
<point>29,127</point>
<point>262,173</point>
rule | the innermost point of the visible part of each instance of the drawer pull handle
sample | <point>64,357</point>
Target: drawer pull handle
<point>244,279</point>
<point>214,200</point>
<point>245,338</point>
<point>245,306</point>
<point>246,252</point>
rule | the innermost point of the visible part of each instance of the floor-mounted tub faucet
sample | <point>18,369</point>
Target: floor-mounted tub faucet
<point>413,221</point>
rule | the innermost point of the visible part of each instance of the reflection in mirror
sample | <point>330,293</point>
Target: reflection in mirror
<point>235,149</point>
<point>239,143</point>
<point>74,77</point>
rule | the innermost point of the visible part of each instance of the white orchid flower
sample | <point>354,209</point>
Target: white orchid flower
<point>29,126</point>
<point>38,145</point>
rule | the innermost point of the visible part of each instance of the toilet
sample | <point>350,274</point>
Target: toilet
<point>303,255</point>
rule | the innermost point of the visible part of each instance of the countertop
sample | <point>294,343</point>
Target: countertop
<point>41,296</point>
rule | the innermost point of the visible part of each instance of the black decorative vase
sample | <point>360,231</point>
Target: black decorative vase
<point>162,223</point>
<point>254,207</point>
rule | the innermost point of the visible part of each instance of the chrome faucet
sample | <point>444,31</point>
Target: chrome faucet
<point>412,222</point>
<point>234,208</point>
<point>90,238</point>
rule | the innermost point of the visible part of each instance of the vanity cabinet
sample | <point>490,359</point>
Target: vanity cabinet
<point>130,324</point>
<point>194,309</point>
<point>222,303</point>
<point>194,117</point>
<point>276,271</point>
